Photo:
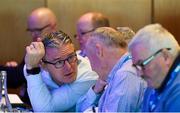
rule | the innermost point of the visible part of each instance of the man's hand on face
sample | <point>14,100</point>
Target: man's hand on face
<point>99,86</point>
<point>11,64</point>
<point>34,54</point>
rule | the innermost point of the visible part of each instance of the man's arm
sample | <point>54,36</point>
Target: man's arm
<point>88,100</point>
<point>59,99</point>
<point>92,97</point>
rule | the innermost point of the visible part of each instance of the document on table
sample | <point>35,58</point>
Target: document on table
<point>14,99</point>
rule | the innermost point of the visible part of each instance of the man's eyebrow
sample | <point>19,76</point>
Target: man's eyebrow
<point>59,58</point>
<point>55,59</point>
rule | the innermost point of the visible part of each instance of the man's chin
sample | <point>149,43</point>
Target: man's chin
<point>70,79</point>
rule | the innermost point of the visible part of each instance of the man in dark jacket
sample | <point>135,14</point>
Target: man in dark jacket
<point>40,21</point>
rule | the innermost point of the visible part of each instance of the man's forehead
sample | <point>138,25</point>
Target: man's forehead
<point>37,22</point>
<point>139,52</point>
<point>85,25</point>
<point>85,28</point>
<point>64,50</point>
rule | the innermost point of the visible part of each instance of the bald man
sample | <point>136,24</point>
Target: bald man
<point>87,23</point>
<point>40,21</point>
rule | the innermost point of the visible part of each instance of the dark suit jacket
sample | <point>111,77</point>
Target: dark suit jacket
<point>15,79</point>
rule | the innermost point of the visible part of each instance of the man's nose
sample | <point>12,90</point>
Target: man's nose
<point>78,38</point>
<point>67,65</point>
<point>35,35</point>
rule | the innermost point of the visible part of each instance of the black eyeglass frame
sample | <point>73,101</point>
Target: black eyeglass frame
<point>37,29</point>
<point>83,33</point>
<point>60,63</point>
<point>141,64</point>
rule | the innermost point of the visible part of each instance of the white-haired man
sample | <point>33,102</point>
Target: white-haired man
<point>155,54</point>
<point>118,88</point>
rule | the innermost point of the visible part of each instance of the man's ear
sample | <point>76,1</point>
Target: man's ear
<point>167,57</point>
<point>99,50</point>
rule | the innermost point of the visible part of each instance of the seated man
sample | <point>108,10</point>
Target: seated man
<point>155,53</point>
<point>87,23</point>
<point>127,32</point>
<point>118,88</point>
<point>63,78</point>
<point>40,21</point>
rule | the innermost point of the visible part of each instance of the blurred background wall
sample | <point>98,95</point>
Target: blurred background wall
<point>132,13</point>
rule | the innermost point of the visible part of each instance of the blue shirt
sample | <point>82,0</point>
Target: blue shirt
<point>45,95</point>
<point>124,92</point>
<point>168,100</point>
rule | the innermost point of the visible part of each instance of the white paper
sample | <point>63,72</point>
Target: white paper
<point>14,99</point>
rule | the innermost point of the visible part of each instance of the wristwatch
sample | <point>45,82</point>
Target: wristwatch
<point>33,71</point>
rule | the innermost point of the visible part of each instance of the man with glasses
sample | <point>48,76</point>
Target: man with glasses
<point>127,32</point>
<point>41,21</point>
<point>155,54</point>
<point>63,77</point>
<point>118,88</point>
<point>87,23</point>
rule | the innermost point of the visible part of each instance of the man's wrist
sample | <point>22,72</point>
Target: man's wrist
<point>96,90</point>
<point>33,71</point>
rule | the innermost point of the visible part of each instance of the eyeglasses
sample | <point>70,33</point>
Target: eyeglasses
<point>60,63</point>
<point>37,29</point>
<point>141,64</point>
<point>83,33</point>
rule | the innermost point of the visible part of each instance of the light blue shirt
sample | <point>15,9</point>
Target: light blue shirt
<point>46,96</point>
<point>124,92</point>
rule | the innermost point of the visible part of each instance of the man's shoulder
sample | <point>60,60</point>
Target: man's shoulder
<point>127,73</point>
<point>174,87</point>
<point>128,67</point>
